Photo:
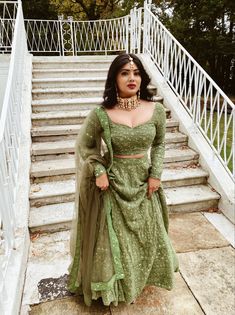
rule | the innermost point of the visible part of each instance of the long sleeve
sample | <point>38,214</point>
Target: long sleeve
<point>89,141</point>
<point>158,145</point>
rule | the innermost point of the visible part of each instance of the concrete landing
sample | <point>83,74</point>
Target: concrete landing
<point>210,275</point>
<point>204,284</point>
<point>153,301</point>
<point>69,306</point>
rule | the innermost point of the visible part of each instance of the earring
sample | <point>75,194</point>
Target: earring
<point>138,95</point>
<point>118,98</point>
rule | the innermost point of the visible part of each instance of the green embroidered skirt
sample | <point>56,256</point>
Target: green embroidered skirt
<point>133,248</point>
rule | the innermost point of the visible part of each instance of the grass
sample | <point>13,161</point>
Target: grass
<point>220,131</point>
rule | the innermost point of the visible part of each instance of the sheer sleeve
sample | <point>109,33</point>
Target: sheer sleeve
<point>158,145</point>
<point>89,141</point>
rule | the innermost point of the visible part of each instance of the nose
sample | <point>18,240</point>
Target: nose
<point>131,77</point>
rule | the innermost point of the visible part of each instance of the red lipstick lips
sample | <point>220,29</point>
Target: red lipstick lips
<point>131,86</point>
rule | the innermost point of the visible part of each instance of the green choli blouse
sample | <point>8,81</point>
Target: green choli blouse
<point>126,140</point>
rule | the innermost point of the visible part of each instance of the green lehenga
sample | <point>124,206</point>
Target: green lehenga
<point>132,248</point>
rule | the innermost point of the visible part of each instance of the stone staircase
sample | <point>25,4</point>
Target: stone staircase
<point>61,100</point>
<point>63,92</point>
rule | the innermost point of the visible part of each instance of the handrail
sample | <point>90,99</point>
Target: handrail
<point>10,131</point>
<point>209,107</point>
<point>101,20</point>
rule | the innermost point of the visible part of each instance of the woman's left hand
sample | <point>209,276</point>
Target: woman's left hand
<point>153,185</point>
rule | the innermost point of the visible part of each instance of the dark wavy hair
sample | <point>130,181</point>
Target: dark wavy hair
<point>110,97</point>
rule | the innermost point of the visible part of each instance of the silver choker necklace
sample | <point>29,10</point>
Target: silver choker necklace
<point>128,103</point>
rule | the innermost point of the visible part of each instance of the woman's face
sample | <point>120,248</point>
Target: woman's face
<point>128,80</point>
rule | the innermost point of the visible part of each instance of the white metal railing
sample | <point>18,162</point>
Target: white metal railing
<point>8,11</point>
<point>10,131</point>
<point>43,36</point>
<point>101,35</point>
<point>209,107</point>
<point>6,34</point>
<point>68,37</point>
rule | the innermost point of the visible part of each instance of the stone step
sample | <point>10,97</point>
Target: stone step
<point>53,218</point>
<point>48,168</point>
<point>69,73</point>
<point>56,147</point>
<point>86,64</point>
<point>65,146</point>
<point>46,83</point>
<point>63,191</point>
<point>72,63</point>
<point>59,118</point>
<point>57,217</point>
<point>55,130</point>
<point>52,192</point>
<point>175,139</point>
<point>73,117</point>
<point>53,168</point>
<point>53,93</point>
<point>74,92</point>
<point>84,103</point>
<point>191,198</point>
<point>64,104</point>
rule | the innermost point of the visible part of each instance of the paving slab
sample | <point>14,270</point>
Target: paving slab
<point>48,258</point>
<point>69,306</point>
<point>192,231</point>
<point>210,274</point>
<point>158,301</point>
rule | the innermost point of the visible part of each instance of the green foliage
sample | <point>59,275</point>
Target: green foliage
<point>40,9</point>
<point>79,9</point>
<point>206,29</point>
<point>88,9</point>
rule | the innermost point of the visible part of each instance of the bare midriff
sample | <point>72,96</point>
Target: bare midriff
<point>129,156</point>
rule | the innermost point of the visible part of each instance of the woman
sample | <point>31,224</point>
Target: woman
<point>119,241</point>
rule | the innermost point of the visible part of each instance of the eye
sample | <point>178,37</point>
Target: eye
<point>137,73</point>
<point>124,73</point>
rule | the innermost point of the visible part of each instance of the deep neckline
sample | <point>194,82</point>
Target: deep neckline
<point>142,124</point>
